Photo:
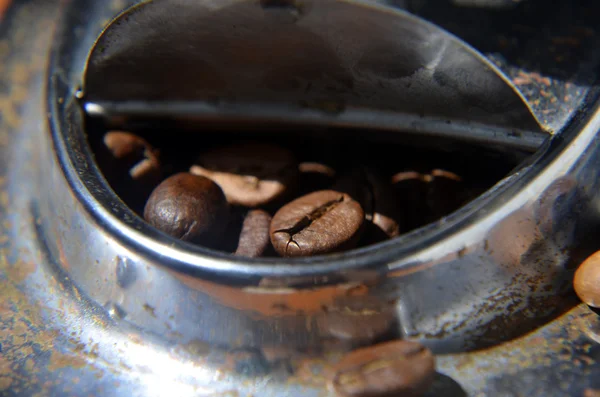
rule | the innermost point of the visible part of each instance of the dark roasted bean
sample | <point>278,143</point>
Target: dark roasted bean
<point>318,223</point>
<point>250,175</point>
<point>131,166</point>
<point>189,207</point>
<point>254,237</point>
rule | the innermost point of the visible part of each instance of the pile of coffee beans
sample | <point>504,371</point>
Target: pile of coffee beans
<point>261,198</point>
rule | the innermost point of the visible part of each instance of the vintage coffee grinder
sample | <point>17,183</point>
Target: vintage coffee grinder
<point>97,302</point>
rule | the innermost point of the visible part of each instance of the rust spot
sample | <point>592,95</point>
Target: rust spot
<point>21,330</point>
<point>5,374</point>
<point>530,350</point>
<point>61,255</point>
<point>149,309</point>
<point>20,270</point>
<point>58,361</point>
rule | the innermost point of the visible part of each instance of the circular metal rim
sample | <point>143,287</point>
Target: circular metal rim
<point>76,161</point>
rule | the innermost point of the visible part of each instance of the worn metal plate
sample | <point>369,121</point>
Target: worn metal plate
<point>353,62</point>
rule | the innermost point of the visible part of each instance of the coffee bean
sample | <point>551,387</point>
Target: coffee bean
<point>267,176</point>
<point>250,175</point>
<point>357,319</point>
<point>189,207</point>
<point>318,223</point>
<point>254,237</point>
<point>443,194</point>
<point>134,154</point>
<point>399,368</point>
<point>314,176</point>
<point>131,166</point>
<point>385,207</point>
<point>316,168</point>
<point>587,281</point>
<point>410,188</point>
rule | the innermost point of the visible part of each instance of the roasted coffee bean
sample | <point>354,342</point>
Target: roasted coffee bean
<point>385,207</point>
<point>131,165</point>
<point>356,319</point>
<point>410,188</point>
<point>254,237</point>
<point>318,223</point>
<point>443,194</point>
<point>314,176</point>
<point>399,368</point>
<point>587,281</point>
<point>250,175</point>
<point>268,176</point>
<point>189,207</point>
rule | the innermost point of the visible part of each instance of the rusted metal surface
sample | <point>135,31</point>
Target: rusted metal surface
<point>55,341</point>
<point>559,359</point>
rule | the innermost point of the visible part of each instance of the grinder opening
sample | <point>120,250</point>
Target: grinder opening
<point>386,184</point>
<point>336,126</point>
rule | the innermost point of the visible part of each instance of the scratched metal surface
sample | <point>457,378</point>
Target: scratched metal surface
<point>549,52</point>
<point>427,82</point>
<point>53,341</point>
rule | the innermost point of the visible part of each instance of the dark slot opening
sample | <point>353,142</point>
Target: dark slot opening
<point>386,153</point>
